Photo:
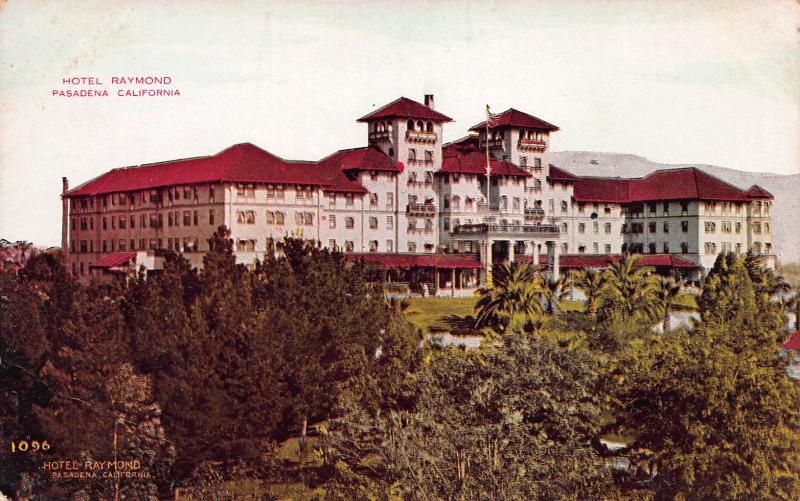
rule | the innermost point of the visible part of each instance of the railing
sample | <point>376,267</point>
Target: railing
<point>534,212</point>
<point>532,145</point>
<point>379,135</point>
<point>421,136</point>
<point>470,229</point>
<point>420,209</point>
<point>484,207</point>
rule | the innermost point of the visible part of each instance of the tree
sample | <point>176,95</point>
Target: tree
<point>592,284</point>
<point>629,288</point>
<point>714,407</point>
<point>665,295</point>
<point>513,302</point>
<point>510,423</point>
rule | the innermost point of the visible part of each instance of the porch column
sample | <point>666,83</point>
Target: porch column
<point>510,251</point>
<point>453,282</point>
<point>556,261</point>
<point>436,278</point>
<point>488,259</point>
<point>535,253</point>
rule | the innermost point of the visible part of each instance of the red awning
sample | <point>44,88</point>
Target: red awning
<point>582,261</point>
<point>114,259</point>
<point>793,343</point>
<point>438,261</point>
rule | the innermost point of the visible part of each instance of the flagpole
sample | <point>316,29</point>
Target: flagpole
<point>488,163</point>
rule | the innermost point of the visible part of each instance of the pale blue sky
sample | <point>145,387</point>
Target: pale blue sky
<point>677,82</point>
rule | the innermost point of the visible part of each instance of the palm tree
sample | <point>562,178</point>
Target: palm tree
<point>554,292</point>
<point>629,286</point>
<point>665,295</point>
<point>513,301</point>
<point>592,284</point>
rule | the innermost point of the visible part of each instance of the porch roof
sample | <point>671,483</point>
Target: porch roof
<point>438,261</point>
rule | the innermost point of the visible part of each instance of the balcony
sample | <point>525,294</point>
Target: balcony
<point>528,144</point>
<point>484,207</point>
<point>427,210</point>
<point>500,230</point>
<point>379,136</point>
<point>534,214</point>
<point>419,136</point>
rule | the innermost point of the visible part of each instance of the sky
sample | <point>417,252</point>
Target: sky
<point>702,82</point>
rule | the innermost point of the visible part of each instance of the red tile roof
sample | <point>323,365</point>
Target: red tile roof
<point>757,191</point>
<point>464,157</point>
<point>582,261</point>
<point>688,183</point>
<point>793,343</point>
<point>439,261</point>
<point>242,162</point>
<point>516,118</point>
<point>114,259</point>
<point>405,108</point>
<point>557,174</point>
<point>369,158</point>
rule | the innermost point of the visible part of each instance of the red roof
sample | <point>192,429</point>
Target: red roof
<point>464,157</point>
<point>557,174</point>
<point>405,108</point>
<point>516,118</point>
<point>793,343</point>
<point>440,261</point>
<point>582,261</point>
<point>242,162</point>
<point>369,158</point>
<point>688,183</point>
<point>757,191</point>
<point>114,259</point>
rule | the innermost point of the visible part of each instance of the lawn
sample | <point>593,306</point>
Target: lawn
<point>429,313</point>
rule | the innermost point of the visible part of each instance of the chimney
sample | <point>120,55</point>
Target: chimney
<point>429,100</point>
<point>64,185</point>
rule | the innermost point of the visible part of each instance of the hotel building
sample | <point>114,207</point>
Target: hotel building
<point>406,200</point>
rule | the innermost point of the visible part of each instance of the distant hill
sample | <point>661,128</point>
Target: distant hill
<point>786,213</point>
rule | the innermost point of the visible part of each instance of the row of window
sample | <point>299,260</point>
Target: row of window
<point>757,248</point>
<point>727,207</point>
<point>154,220</point>
<point>728,227</point>
<point>173,193</point>
<point>637,228</point>
<point>177,244</point>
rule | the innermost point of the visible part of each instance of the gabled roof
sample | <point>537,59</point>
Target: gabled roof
<point>114,259</point>
<point>464,157</point>
<point>439,261</point>
<point>557,174</point>
<point>687,183</point>
<point>516,118</point>
<point>242,162</point>
<point>757,191</point>
<point>369,158</point>
<point>405,108</point>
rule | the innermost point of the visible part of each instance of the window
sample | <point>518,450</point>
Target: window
<point>607,210</point>
<point>684,208</point>
<point>564,248</point>
<point>429,226</point>
<point>564,228</point>
<point>456,202</point>
<point>349,200</point>
<point>195,217</point>
<point>684,247</point>
<point>246,245</point>
<point>242,217</point>
<point>390,200</point>
<point>412,246</point>
<point>331,199</point>
<point>349,223</point>
<point>389,246</point>
<point>685,226</point>
<point>332,244</point>
<point>666,226</point>
<point>389,222</point>
<point>133,222</point>
<point>373,246</point>
<point>308,218</point>
<point>280,218</point>
<point>757,228</point>
<point>412,155</point>
<point>607,249</point>
<point>607,228</point>
<point>651,227</point>
<point>373,223</point>
<point>332,221</point>
<point>738,227</point>
<point>122,221</point>
<point>766,227</point>
<point>348,245</point>
<point>428,157</point>
<point>211,216</point>
<point>710,227</point>
<point>581,205</point>
<point>652,208</point>
<point>564,206</point>
<point>187,218</point>
<point>537,163</point>
<point>595,248</point>
<point>503,202</point>
<point>523,162</point>
<point>595,227</point>
<point>581,227</point>
<point>446,224</point>
<point>373,200</point>
<point>651,247</point>
<point>581,249</point>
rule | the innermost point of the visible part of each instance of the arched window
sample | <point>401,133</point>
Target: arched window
<point>456,202</point>
<point>564,206</point>
<point>429,127</point>
<point>420,126</point>
<point>410,125</point>
<point>537,184</point>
